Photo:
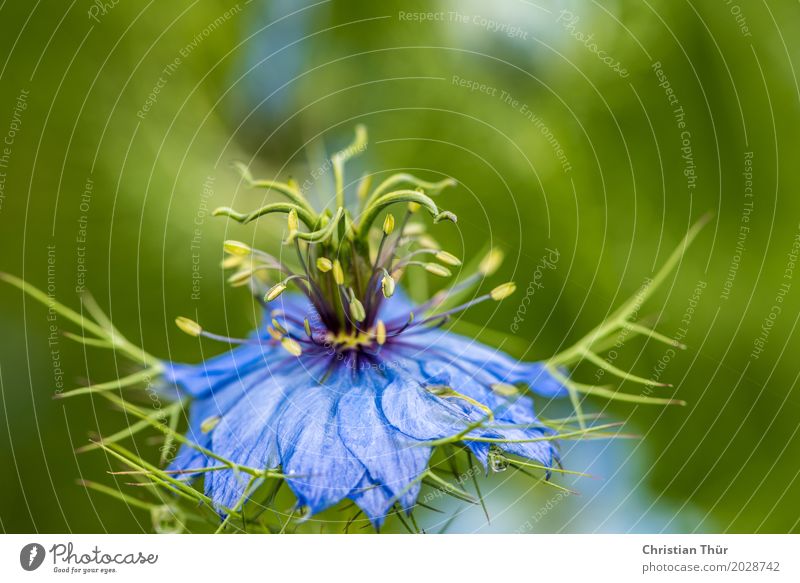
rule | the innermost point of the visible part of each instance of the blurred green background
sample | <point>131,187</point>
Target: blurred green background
<point>601,131</point>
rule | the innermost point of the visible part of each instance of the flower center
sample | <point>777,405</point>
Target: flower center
<point>347,262</point>
<point>353,340</point>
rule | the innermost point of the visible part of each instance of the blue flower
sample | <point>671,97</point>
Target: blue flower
<point>348,386</point>
<point>356,423</point>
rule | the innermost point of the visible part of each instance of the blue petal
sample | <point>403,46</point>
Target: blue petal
<point>247,432</point>
<point>475,383</point>
<point>414,411</point>
<point>198,380</point>
<point>322,470</point>
<point>448,347</point>
<point>390,458</point>
<point>373,499</point>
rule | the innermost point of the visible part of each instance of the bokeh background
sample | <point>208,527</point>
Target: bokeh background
<point>600,131</point>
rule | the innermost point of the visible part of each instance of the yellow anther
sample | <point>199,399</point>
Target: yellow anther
<point>188,326</point>
<point>209,423</point>
<point>236,248</point>
<point>291,346</point>
<point>448,258</point>
<point>324,264</point>
<point>380,333</point>
<point>437,269</point>
<point>338,274</point>
<point>491,262</point>
<point>505,390</point>
<point>275,291</point>
<point>502,291</point>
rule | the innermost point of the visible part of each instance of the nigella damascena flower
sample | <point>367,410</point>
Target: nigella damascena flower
<point>348,386</point>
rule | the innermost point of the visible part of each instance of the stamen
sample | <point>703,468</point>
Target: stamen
<point>448,392</point>
<point>502,291</point>
<point>275,291</point>
<point>448,258</point>
<point>357,310</point>
<point>236,248</point>
<point>324,264</point>
<point>291,346</point>
<point>209,423</point>
<point>437,269</point>
<point>188,326</point>
<point>338,274</point>
<point>504,389</point>
<point>491,262</point>
<point>279,327</point>
<point>192,328</point>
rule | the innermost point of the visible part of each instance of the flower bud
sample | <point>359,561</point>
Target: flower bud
<point>188,326</point>
<point>388,224</point>
<point>292,221</point>
<point>357,310</point>
<point>502,291</point>
<point>338,274</point>
<point>387,286</point>
<point>324,264</point>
